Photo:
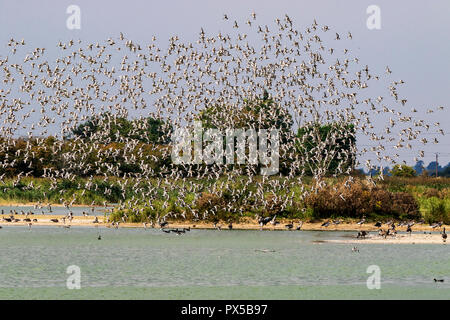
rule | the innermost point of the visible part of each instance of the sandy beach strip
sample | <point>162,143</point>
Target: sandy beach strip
<point>244,224</point>
<point>422,234</point>
<point>415,238</point>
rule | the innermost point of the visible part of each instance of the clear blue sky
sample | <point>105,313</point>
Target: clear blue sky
<point>414,39</point>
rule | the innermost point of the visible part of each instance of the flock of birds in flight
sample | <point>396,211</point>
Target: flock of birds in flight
<point>310,74</point>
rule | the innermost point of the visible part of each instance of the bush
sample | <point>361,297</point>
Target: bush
<point>403,171</point>
<point>273,205</point>
<point>359,199</point>
<point>208,201</point>
<point>436,210</point>
<point>432,192</point>
<point>405,205</point>
<point>214,206</point>
<point>327,202</point>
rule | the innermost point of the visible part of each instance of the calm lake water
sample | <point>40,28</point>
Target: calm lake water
<point>210,264</point>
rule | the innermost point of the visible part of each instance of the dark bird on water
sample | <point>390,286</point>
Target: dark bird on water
<point>163,224</point>
<point>362,234</point>
<point>177,231</point>
<point>408,229</point>
<point>438,280</point>
<point>289,226</point>
<point>444,236</point>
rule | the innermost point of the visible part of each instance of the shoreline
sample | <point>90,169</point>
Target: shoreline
<point>245,224</point>
<point>414,238</point>
<point>422,234</point>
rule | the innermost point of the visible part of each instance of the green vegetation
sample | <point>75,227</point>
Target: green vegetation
<point>114,129</point>
<point>401,170</point>
<point>91,149</point>
<point>395,197</point>
<point>332,144</point>
<point>417,198</point>
<point>259,113</point>
<point>102,144</point>
<point>81,190</point>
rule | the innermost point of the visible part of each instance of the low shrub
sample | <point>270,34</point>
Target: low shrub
<point>437,210</point>
<point>431,192</point>
<point>405,206</point>
<point>358,199</point>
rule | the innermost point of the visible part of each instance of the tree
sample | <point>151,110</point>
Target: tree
<point>258,113</point>
<point>327,149</point>
<point>110,128</point>
<point>431,168</point>
<point>255,113</point>
<point>402,170</point>
<point>445,171</point>
<point>419,167</point>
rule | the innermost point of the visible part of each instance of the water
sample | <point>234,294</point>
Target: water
<point>206,264</point>
<point>77,211</point>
